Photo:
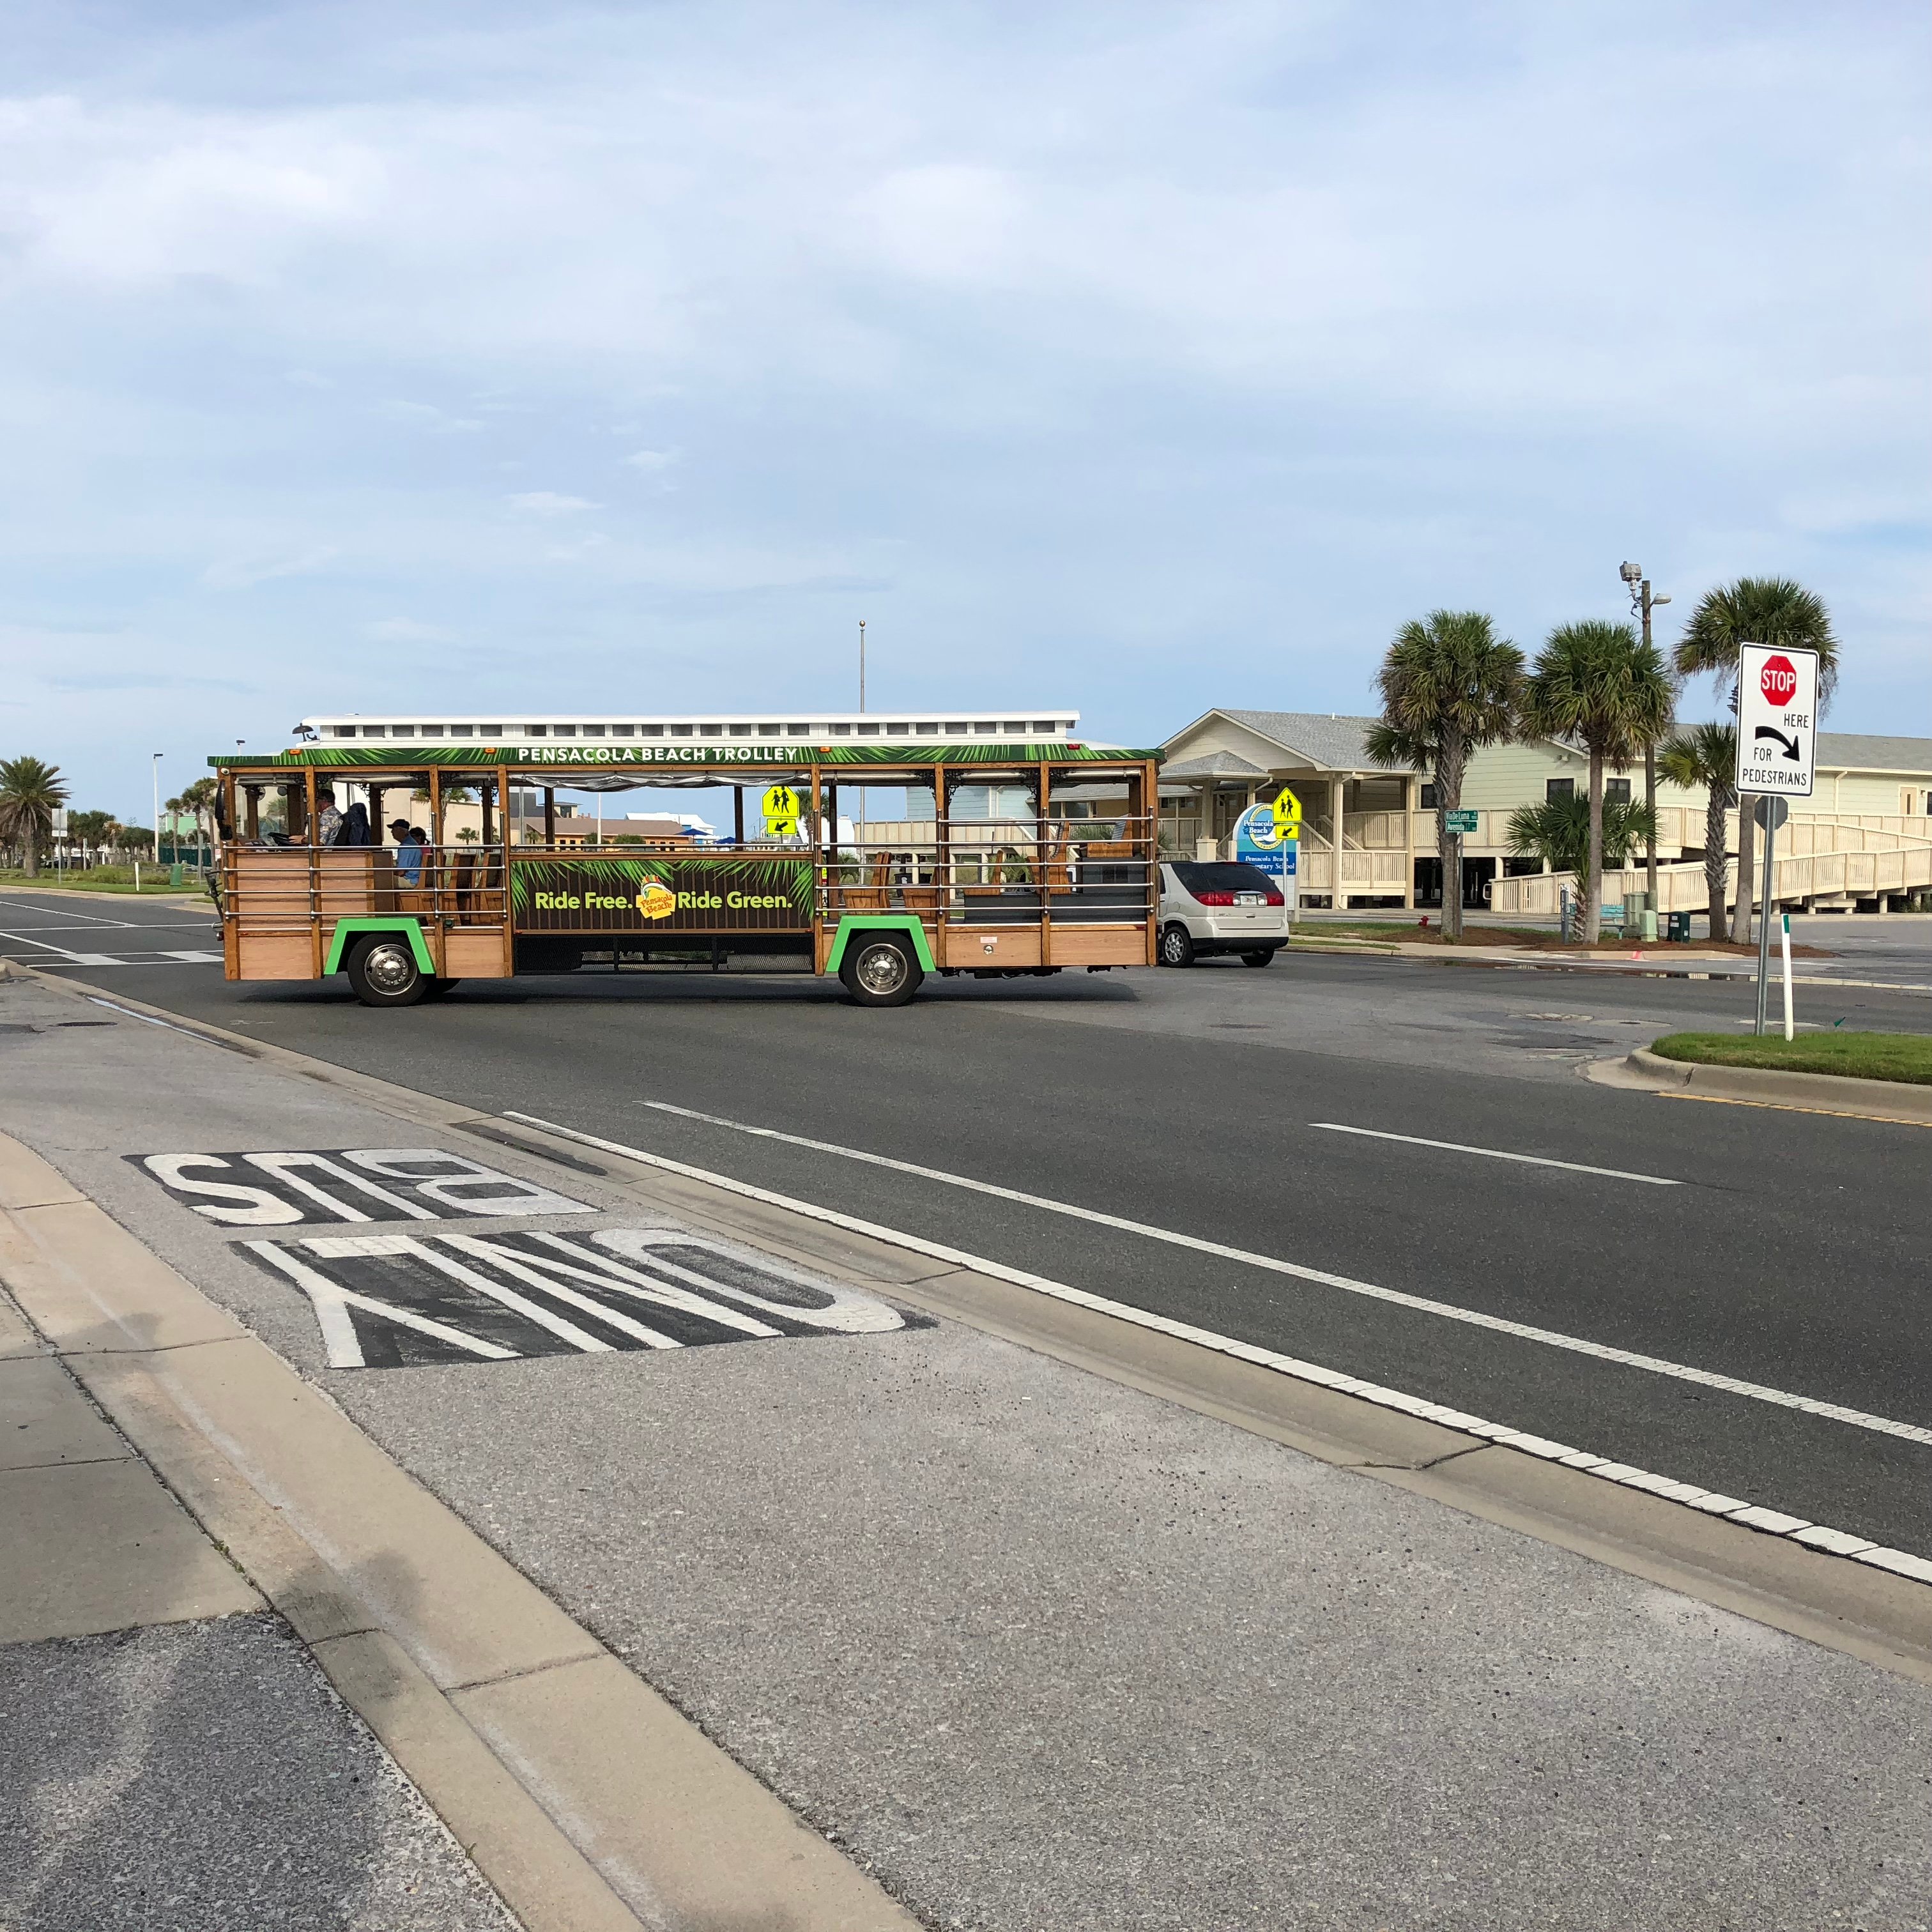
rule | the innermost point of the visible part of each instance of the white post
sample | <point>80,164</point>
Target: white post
<point>137,877</point>
<point>1785,941</point>
<point>154,766</point>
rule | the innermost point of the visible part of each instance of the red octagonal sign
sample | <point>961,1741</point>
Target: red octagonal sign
<point>1778,681</point>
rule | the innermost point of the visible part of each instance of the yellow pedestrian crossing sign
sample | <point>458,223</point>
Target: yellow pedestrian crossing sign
<point>1287,814</point>
<point>781,809</point>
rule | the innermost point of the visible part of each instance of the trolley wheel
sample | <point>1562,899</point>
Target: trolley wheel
<point>878,969</point>
<point>383,971</point>
<point>1261,955</point>
<point>1177,945</point>
<point>439,989</point>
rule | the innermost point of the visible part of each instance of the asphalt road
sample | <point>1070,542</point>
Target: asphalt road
<point>1791,1252</point>
<point>1039,1647</point>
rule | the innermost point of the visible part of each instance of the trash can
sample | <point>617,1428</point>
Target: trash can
<point>177,875</point>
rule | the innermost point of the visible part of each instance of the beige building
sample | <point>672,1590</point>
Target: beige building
<point>1864,838</point>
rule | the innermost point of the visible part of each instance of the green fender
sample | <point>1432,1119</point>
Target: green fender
<point>880,922</point>
<point>346,929</point>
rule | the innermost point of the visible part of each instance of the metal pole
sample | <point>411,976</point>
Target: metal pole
<point>154,766</point>
<point>1764,923</point>
<point>862,663</point>
<point>1649,782</point>
<point>1785,927</point>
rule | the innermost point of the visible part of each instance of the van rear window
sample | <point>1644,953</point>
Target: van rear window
<point>1198,878</point>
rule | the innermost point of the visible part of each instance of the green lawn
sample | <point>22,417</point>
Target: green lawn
<point>1866,1056</point>
<point>102,879</point>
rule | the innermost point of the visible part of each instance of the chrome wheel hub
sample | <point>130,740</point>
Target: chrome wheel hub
<point>882,969</point>
<point>390,968</point>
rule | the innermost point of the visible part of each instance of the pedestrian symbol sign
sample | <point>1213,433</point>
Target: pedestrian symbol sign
<point>1287,814</point>
<point>781,809</point>
<point>1777,719</point>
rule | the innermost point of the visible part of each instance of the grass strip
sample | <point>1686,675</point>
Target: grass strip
<point>1905,1057</point>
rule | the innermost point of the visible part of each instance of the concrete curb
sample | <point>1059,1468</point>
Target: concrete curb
<point>588,1802</point>
<point>1815,1093</point>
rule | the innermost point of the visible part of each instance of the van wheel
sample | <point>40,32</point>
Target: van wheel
<point>1177,945</point>
<point>877,970</point>
<point>383,971</point>
<point>1261,955</point>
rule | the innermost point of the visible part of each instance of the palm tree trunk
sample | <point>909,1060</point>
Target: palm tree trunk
<point>1449,764</point>
<point>1593,907</point>
<point>1714,862</point>
<point>1741,925</point>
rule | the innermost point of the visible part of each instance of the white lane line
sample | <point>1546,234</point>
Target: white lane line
<point>149,1019</point>
<point>1475,1318</point>
<point>1772,1522</point>
<point>1497,1153</point>
<point>72,958</point>
<point>195,959</point>
<point>61,912</point>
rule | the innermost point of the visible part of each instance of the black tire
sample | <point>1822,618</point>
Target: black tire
<point>878,969</point>
<point>383,971</point>
<point>439,989</point>
<point>1177,945</point>
<point>1261,955</point>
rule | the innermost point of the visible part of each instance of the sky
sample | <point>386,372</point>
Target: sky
<point>1138,358</point>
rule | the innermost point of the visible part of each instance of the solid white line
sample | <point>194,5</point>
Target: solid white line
<point>72,958</point>
<point>1773,1522</point>
<point>1525,1331</point>
<point>1498,1153</point>
<point>149,1019</point>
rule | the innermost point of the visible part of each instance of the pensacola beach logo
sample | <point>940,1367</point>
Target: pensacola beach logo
<point>656,902</point>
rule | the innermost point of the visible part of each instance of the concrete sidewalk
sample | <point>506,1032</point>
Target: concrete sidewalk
<point>170,1755</point>
<point>1043,1623</point>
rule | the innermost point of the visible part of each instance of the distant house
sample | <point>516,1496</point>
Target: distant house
<point>1370,832</point>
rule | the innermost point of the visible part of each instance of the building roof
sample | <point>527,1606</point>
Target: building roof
<point>1873,751</point>
<point>1213,765</point>
<point>1329,741</point>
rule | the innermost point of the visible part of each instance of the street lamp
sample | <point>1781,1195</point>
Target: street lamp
<point>155,767</point>
<point>1642,604</point>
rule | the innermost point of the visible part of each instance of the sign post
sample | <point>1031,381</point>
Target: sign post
<point>1777,726</point>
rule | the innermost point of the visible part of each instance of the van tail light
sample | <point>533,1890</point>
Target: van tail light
<point>1214,898</point>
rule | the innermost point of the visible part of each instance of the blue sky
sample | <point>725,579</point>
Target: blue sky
<point>1141,358</point>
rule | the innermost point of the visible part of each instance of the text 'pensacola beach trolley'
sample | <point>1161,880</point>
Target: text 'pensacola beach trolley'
<point>1019,849</point>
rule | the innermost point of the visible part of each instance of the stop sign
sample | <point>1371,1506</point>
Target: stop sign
<point>1778,681</point>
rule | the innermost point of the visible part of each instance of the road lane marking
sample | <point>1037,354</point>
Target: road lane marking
<point>1475,1317</point>
<point>1771,1522</point>
<point>72,958</point>
<point>1492,1154</point>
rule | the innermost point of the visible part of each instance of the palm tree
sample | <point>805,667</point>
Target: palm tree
<point>1596,682</point>
<point>1755,610</point>
<point>1450,686</point>
<point>1558,831</point>
<point>1707,755</point>
<point>30,792</point>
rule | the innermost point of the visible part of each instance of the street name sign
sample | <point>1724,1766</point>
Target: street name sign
<point>1778,719</point>
<point>1460,821</point>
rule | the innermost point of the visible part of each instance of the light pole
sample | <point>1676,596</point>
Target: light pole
<point>154,766</point>
<point>1642,604</point>
<point>862,663</point>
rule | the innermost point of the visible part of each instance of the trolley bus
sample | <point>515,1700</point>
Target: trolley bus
<point>1018,848</point>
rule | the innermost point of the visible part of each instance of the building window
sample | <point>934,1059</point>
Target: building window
<point>1428,798</point>
<point>1616,791</point>
<point>1556,788</point>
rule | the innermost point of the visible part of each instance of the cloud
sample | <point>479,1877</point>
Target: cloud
<point>653,462</point>
<point>406,630</point>
<point>548,503</point>
<point>239,573</point>
<point>426,415</point>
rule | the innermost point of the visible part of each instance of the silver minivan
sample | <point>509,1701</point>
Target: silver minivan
<point>1213,907</point>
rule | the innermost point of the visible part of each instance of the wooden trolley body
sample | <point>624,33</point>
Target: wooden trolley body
<point>1070,881</point>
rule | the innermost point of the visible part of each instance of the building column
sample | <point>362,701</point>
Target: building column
<point>1408,849</point>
